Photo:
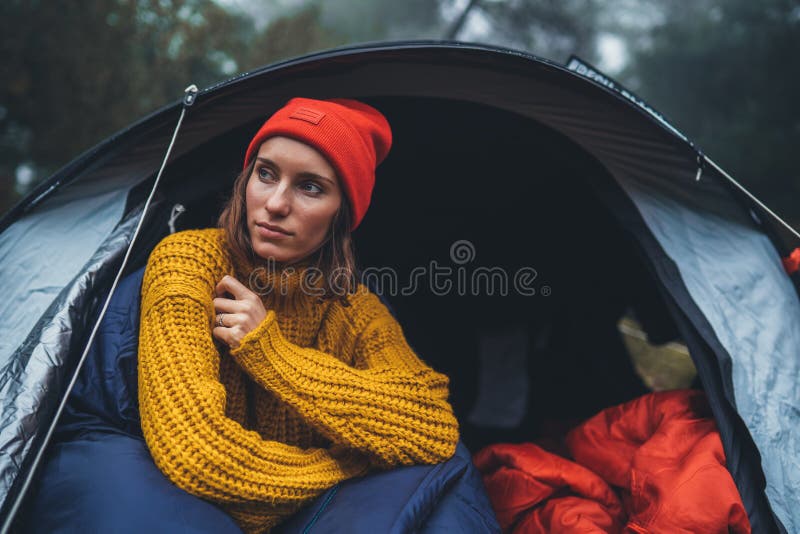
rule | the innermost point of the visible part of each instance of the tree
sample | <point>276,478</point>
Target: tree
<point>726,73</point>
<point>293,35</point>
<point>547,28</point>
<point>71,77</point>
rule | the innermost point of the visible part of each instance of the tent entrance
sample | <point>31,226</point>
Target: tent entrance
<point>514,194</point>
<point>478,190</point>
<point>472,189</point>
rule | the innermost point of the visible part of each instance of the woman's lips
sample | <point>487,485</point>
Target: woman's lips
<point>267,233</point>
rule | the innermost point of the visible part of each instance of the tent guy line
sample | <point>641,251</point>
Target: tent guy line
<point>752,197</point>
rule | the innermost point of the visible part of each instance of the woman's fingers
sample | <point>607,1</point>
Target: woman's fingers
<point>231,285</point>
<point>235,317</point>
<point>225,335</point>
<point>223,305</point>
<point>229,320</point>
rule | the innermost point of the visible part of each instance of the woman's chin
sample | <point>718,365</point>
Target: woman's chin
<point>267,251</point>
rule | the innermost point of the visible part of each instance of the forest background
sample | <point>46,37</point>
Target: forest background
<point>724,72</point>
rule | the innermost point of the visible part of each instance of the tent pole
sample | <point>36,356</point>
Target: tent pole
<point>752,197</point>
<point>189,97</point>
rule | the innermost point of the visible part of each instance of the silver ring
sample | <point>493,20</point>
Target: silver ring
<point>219,320</point>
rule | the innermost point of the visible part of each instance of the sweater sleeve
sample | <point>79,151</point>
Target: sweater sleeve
<point>389,404</point>
<point>182,401</point>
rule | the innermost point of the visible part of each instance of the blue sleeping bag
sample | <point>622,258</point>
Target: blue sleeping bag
<point>99,476</point>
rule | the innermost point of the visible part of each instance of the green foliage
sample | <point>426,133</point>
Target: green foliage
<point>72,76</point>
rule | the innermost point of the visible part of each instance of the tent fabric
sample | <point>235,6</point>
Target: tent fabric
<point>742,456</point>
<point>734,275</point>
<point>43,357</point>
<point>99,475</point>
<point>736,279</point>
<point>38,284</point>
<point>729,283</point>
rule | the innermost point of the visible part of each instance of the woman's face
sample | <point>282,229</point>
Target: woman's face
<point>291,197</point>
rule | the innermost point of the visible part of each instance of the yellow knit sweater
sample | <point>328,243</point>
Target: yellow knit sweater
<point>317,393</point>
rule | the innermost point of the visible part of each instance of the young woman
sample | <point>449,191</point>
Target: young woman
<point>267,374</point>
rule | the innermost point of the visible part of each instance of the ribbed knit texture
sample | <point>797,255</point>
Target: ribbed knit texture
<point>319,392</point>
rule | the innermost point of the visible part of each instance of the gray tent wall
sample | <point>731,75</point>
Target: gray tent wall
<point>725,274</point>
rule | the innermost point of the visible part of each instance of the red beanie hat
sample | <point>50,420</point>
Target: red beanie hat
<point>353,137</point>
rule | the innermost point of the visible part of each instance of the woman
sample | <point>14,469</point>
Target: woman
<point>262,383</point>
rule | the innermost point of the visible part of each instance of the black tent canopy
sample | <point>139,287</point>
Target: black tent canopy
<point>526,163</point>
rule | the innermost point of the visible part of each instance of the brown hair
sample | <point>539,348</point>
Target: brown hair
<point>335,258</point>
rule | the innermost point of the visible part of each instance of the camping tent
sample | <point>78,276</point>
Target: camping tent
<point>530,163</point>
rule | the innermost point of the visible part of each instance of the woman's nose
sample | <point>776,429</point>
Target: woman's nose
<point>278,202</point>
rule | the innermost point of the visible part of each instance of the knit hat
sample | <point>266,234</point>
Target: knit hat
<point>354,137</point>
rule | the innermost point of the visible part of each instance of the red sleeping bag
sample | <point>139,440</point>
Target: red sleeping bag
<point>652,465</point>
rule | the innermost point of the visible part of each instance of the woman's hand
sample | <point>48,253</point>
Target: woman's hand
<point>235,317</point>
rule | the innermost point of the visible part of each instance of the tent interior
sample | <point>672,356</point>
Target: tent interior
<point>523,196</point>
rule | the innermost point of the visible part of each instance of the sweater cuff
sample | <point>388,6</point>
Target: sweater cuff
<point>251,340</point>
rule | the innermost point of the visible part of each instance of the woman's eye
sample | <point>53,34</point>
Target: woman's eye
<point>311,187</point>
<point>264,173</point>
